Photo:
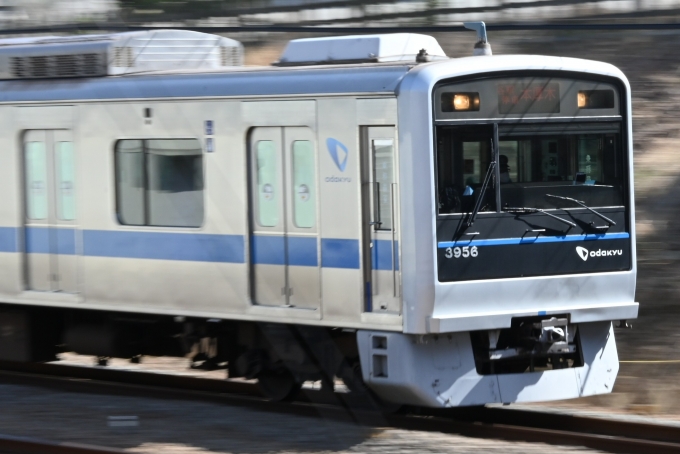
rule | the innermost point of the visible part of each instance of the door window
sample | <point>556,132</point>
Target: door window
<point>267,203</point>
<point>304,191</point>
<point>36,180</point>
<point>383,152</point>
<point>66,204</point>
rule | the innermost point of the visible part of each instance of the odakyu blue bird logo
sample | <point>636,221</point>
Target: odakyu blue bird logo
<point>338,152</point>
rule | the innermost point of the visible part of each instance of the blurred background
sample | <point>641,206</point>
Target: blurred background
<point>640,37</point>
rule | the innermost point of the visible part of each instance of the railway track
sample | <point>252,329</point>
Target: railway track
<point>25,445</point>
<point>494,422</point>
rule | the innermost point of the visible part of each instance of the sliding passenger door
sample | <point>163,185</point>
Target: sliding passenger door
<point>284,232</point>
<point>380,204</point>
<point>50,210</point>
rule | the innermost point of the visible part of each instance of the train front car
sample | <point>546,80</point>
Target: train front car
<point>518,239</point>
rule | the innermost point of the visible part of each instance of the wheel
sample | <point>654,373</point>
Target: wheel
<point>278,385</point>
<point>350,373</point>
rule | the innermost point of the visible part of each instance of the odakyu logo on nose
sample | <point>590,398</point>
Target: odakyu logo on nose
<point>585,253</point>
<point>338,152</point>
<point>582,252</point>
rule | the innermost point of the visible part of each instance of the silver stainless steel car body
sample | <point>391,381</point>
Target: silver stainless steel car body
<point>344,268</point>
<point>475,305</point>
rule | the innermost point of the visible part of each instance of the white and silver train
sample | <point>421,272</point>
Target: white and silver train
<point>435,231</point>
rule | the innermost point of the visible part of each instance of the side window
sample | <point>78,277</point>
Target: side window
<point>36,180</point>
<point>159,182</point>
<point>130,182</point>
<point>267,204</point>
<point>304,190</point>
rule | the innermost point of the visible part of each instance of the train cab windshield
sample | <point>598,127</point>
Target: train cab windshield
<point>584,163</point>
<point>552,136</point>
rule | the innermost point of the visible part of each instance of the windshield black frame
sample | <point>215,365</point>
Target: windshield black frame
<point>593,120</point>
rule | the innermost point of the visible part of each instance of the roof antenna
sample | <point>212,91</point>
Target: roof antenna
<point>482,46</point>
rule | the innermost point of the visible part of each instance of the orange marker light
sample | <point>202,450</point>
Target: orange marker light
<point>461,102</point>
<point>582,100</point>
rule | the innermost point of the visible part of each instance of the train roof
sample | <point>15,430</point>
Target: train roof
<point>260,81</point>
<point>373,64</point>
<point>371,78</point>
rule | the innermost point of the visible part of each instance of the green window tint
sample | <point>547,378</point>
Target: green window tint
<point>66,203</point>
<point>36,180</point>
<point>130,182</point>
<point>267,203</point>
<point>383,152</point>
<point>304,190</point>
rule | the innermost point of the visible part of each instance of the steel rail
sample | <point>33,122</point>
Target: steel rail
<point>560,422</point>
<point>26,445</point>
<point>500,423</point>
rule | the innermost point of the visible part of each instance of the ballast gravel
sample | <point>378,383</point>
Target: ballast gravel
<point>151,425</point>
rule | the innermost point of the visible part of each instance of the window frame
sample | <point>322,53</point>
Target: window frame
<point>622,117</point>
<point>146,224</point>
<point>500,130</point>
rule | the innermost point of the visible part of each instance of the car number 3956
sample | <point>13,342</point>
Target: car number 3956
<point>458,252</point>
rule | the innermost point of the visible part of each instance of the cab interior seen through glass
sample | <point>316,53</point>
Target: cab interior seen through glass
<point>568,161</point>
<point>556,136</point>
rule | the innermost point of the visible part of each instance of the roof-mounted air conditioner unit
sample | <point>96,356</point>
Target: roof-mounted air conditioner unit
<point>115,54</point>
<point>361,49</point>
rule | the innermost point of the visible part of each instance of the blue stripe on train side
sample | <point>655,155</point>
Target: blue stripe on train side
<point>381,255</point>
<point>302,251</point>
<point>198,247</point>
<point>534,240</point>
<point>270,250</point>
<point>38,240</point>
<point>9,241</point>
<point>339,253</point>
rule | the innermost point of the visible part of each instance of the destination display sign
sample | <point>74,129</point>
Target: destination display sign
<point>514,99</point>
<point>525,96</point>
<point>531,98</point>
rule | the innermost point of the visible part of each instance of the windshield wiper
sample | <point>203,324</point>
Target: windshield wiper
<point>482,191</point>
<point>578,202</point>
<point>524,210</point>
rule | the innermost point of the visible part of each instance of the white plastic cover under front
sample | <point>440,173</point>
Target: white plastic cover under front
<point>439,371</point>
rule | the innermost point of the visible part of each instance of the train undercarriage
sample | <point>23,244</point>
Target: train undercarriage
<point>537,358</point>
<point>281,357</point>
